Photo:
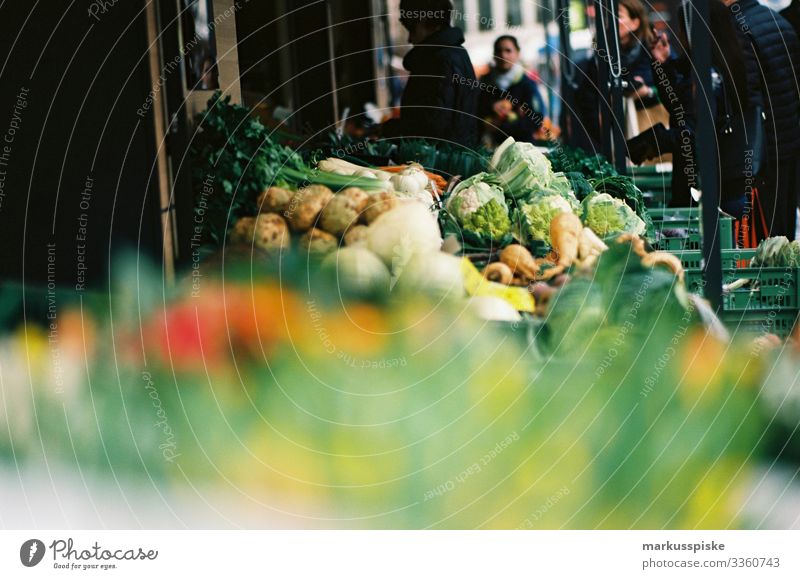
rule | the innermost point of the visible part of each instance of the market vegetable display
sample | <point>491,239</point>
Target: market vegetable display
<point>609,204</point>
<point>235,162</point>
<point>281,395</point>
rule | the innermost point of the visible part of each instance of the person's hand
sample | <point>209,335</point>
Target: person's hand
<point>660,50</point>
<point>642,91</point>
<point>647,145</point>
<point>502,108</point>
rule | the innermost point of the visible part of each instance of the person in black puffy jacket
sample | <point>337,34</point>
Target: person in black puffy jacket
<point>792,14</point>
<point>777,51</point>
<point>732,75</point>
<point>440,100</point>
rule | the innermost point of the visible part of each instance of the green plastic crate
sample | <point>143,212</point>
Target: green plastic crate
<point>769,303</point>
<point>692,259</point>
<point>692,238</point>
<point>770,288</point>
<point>779,322</point>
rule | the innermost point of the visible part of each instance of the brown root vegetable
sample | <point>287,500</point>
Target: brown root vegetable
<point>268,231</point>
<point>358,197</point>
<point>664,258</point>
<point>305,206</point>
<point>520,261</point>
<point>243,230</point>
<point>378,204</point>
<point>565,231</point>
<point>355,235</point>
<point>520,281</point>
<point>317,241</point>
<point>274,199</point>
<point>637,243</point>
<point>551,272</point>
<point>340,213</point>
<point>499,272</point>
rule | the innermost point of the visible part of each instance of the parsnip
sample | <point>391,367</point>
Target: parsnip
<point>565,231</point>
<point>589,246</point>
<point>499,272</point>
<point>520,261</point>
<point>664,258</point>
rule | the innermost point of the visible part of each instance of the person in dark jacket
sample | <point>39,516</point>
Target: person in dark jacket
<point>776,48</point>
<point>509,103</point>
<point>440,100</point>
<point>635,38</point>
<point>730,81</point>
<point>792,14</point>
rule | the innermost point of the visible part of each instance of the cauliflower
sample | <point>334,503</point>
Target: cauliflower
<point>478,205</point>
<point>343,210</point>
<point>607,215</point>
<point>267,231</point>
<point>534,216</point>
<point>521,168</point>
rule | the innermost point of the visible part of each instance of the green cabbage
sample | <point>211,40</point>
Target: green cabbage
<point>521,168</point>
<point>777,252</point>
<point>607,215</point>
<point>479,206</point>
<point>790,254</point>
<point>534,216</point>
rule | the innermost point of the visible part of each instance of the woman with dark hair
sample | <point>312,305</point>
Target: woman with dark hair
<point>634,64</point>
<point>440,98</point>
<point>509,103</point>
<point>733,96</point>
<point>635,38</point>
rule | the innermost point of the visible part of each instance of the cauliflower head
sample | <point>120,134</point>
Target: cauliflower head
<point>534,216</point>
<point>478,204</point>
<point>521,168</point>
<point>607,215</point>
